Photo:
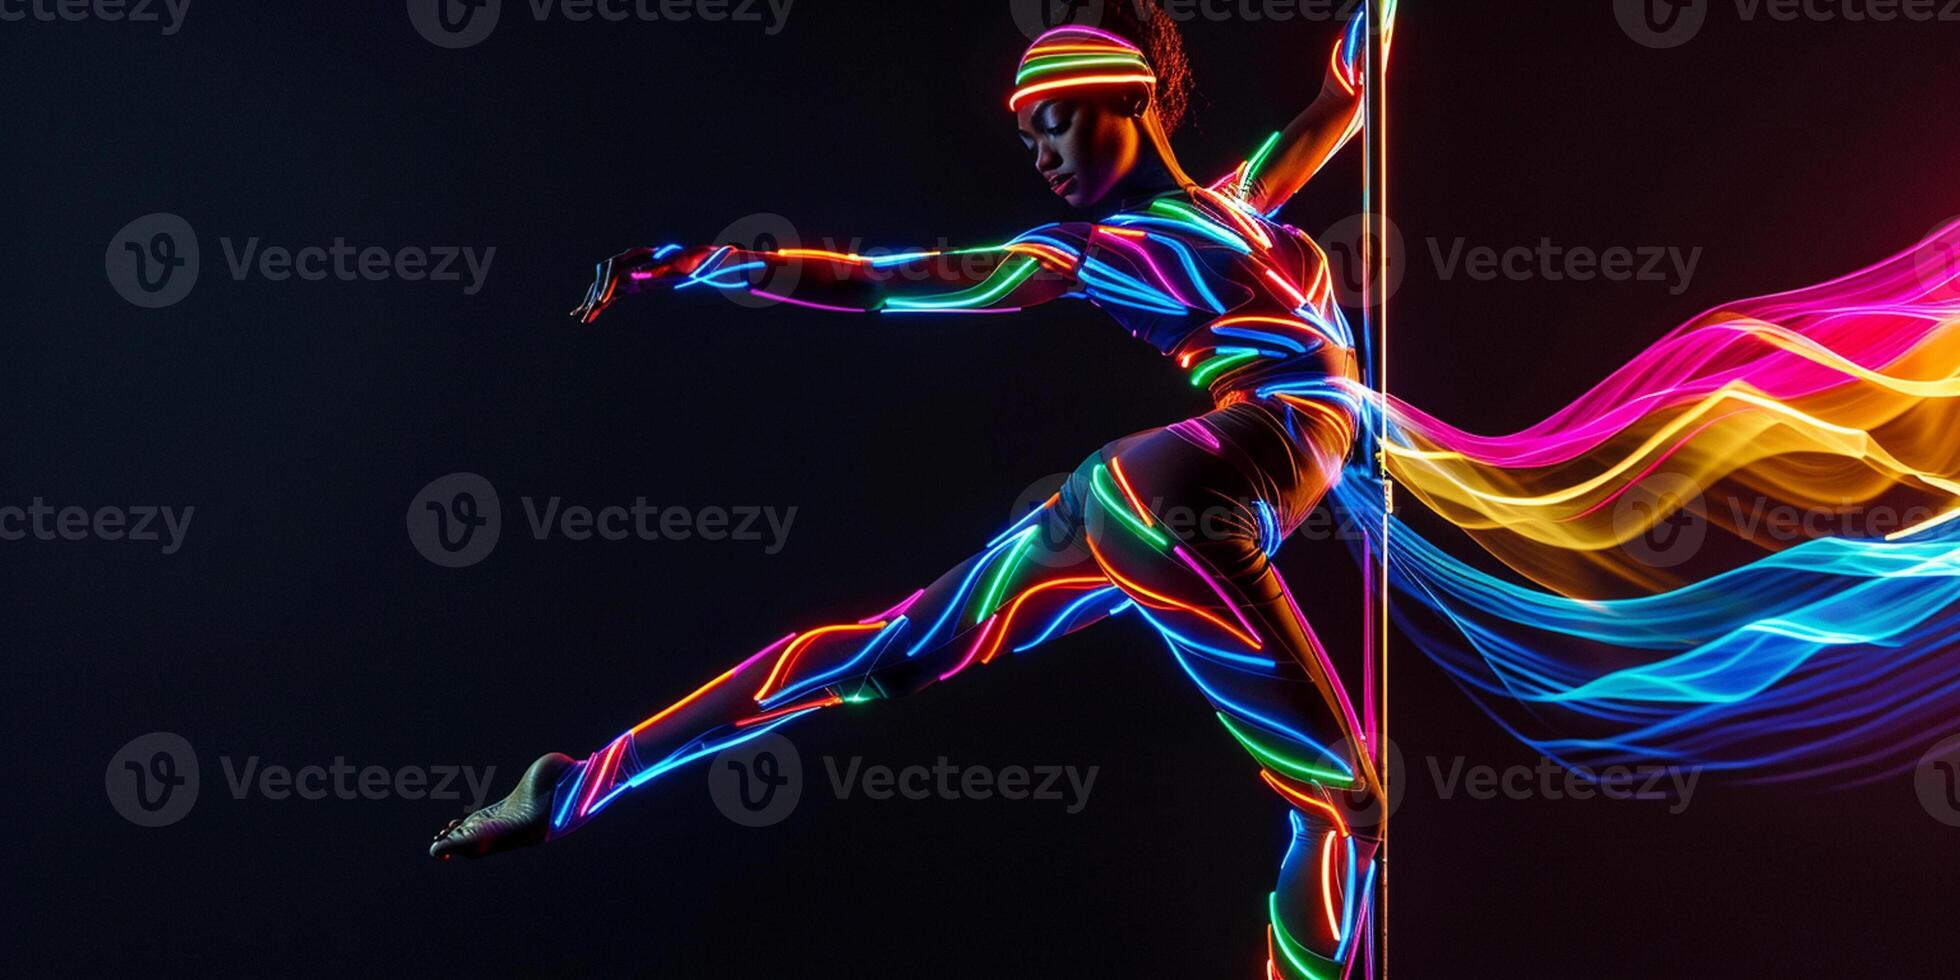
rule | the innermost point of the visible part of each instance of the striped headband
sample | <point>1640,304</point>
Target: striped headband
<point>1074,57</point>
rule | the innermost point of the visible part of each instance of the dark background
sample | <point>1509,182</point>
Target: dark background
<point>297,624</point>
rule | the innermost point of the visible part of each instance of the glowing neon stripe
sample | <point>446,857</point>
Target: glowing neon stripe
<point>1105,490</point>
<point>1137,590</point>
<point>802,643</point>
<point>1005,279</point>
<point>1258,161</point>
<point>1276,758</point>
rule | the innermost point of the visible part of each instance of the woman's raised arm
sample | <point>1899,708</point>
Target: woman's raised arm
<point>1298,152</point>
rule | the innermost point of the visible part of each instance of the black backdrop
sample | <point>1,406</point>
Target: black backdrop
<point>297,623</point>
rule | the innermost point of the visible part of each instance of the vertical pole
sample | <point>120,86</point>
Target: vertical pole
<point>1376,239</point>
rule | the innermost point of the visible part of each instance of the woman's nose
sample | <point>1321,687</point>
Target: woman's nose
<point>1045,157</point>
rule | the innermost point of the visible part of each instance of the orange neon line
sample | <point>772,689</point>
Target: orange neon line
<point>1007,620</point>
<point>1083,47</point>
<point>1165,602</point>
<point>792,709</point>
<point>803,643</point>
<point>1040,87</point>
<point>1054,256</point>
<point>1303,799</point>
<point>1130,493</point>
<point>1327,886</point>
<point>818,253</point>
<point>697,695</point>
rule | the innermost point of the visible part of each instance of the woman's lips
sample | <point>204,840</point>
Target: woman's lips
<point>1064,185</point>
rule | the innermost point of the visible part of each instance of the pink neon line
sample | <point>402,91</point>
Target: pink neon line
<point>605,766</point>
<point>1079,29</point>
<point>804,302</point>
<point>1371,726</point>
<point>1326,662</point>
<point>1194,429</point>
<point>977,644</point>
<point>894,612</point>
<point>1155,270</point>
<point>1664,457</point>
<point>1220,592</point>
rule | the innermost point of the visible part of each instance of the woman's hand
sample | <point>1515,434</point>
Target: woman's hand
<point>624,274</point>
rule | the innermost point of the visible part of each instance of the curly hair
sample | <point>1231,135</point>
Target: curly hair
<point>1148,26</point>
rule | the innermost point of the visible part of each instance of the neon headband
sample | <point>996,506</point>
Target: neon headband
<point>1077,57</point>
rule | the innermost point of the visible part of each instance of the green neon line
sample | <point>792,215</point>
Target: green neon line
<point>1105,490</point>
<point>1055,63</point>
<point>1011,275</point>
<point>1287,944</point>
<point>1278,760</point>
<point>1001,574</point>
<point>1259,160</point>
<point>1196,217</point>
<point>1205,372</point>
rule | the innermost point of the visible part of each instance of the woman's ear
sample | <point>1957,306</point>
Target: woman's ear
<point>1137,103</point>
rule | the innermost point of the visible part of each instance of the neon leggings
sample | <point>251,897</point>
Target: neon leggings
<point>1234,482</point>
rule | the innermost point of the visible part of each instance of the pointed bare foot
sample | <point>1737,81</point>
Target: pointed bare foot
<point>521,819</point>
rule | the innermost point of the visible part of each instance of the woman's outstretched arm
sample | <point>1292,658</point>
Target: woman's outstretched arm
<point>1030,269</point>
<point>1296,153</point>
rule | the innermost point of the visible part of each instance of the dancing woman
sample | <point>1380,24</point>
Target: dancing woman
<point>1828,655</point>
<point>1243,304</point>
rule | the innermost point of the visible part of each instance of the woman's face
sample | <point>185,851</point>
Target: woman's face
<point>1084,148</point>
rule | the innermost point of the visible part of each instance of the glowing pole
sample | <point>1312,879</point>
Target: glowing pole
<point>1375,326</point>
